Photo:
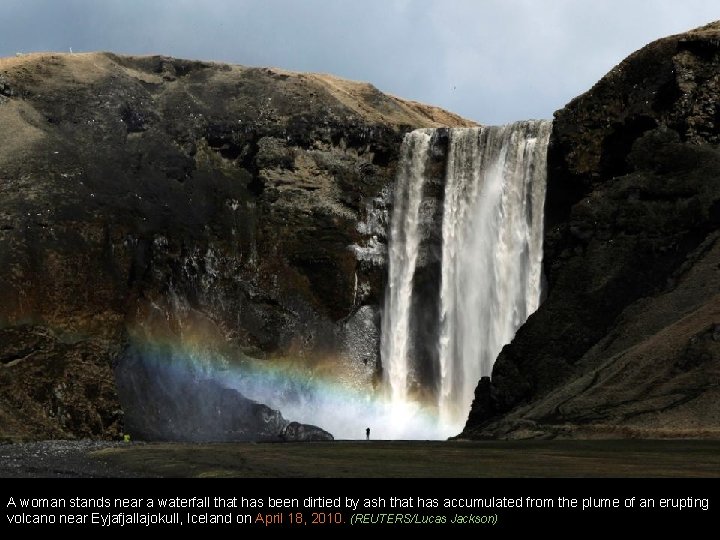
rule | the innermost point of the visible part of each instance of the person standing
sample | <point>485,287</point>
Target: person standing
<point>367,434</point>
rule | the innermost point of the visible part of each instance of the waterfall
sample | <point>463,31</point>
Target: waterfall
<point>491,252</point>
<point>491,255</point>
<point>402,257</point>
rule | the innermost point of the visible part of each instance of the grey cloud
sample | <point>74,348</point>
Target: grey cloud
<point>491,60</point>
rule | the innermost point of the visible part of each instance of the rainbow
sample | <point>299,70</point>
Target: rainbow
<point>319,392</point>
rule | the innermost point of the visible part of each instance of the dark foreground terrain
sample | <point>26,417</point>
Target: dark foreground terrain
<point>619,458</point>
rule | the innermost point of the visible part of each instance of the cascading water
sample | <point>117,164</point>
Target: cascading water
<point>492,252</point>
<point>492,228</point>
<point>402,257</point>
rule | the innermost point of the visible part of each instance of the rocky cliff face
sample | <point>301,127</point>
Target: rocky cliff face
<point>627,342</point>
<point>157,212</point>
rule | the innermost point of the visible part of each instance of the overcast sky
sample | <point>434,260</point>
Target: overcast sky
<point>493,61</point>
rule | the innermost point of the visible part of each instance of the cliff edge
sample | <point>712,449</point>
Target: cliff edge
<point>627,342</point>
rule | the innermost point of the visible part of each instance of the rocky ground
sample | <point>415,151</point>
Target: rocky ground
<point>57,459</point>
<point>360,459</point>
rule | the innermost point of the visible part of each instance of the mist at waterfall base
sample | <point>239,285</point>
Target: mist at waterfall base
<point>490,252</point>
<point>180,392</point>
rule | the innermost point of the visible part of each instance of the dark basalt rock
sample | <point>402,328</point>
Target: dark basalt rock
<point>53,386</point>
<point>631,261</point>
<point>296,432</point>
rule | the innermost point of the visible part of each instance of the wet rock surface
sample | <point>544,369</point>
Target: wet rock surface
<point>621,346</point>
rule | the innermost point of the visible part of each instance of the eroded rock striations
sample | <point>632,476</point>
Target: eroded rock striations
<point>627,342</point>
<point>157,212</point>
